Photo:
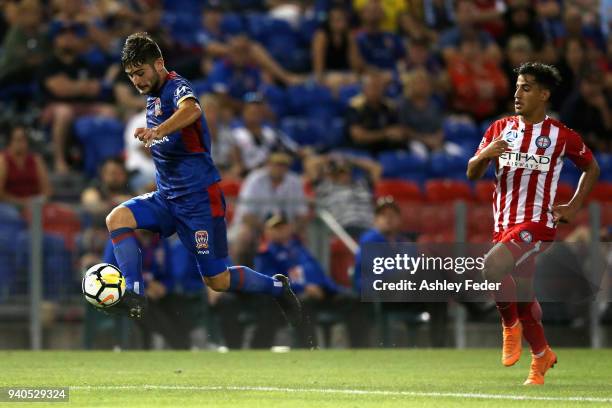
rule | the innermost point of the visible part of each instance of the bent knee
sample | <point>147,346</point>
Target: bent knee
<point>120,217</point>
<point>496,268</point>
<point>219,283</point>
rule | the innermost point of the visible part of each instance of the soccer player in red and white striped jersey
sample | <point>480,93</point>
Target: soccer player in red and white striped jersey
<point>527,151</point>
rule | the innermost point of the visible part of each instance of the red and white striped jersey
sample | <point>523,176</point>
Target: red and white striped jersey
<point>528,173</point>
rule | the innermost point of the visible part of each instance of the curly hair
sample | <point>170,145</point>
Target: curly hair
<point>139,49</point>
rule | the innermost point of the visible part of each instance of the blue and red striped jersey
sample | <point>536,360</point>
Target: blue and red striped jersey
<point>182,159</point>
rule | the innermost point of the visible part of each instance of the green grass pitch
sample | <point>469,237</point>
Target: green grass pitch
<point>338,378</point>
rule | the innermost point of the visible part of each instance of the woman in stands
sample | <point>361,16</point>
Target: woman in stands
<point>23,174</point>
<point>335,58</point>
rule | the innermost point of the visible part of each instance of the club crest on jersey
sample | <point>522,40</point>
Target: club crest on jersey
<point>201,239</point>
<point>157,110</point>
<point>542,142</point>
<point>526,236</point>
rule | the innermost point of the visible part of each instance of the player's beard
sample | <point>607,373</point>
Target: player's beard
<point>155,84</point>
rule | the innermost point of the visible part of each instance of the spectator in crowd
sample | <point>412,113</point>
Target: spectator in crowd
<point>216,44</point>
<point>419,114</point>
<point>25,46</point>
<point>348,197</point>
<point>587,110</point>
<point>438,14</point>
<point>71,88</point>
<point>521,19</point>
<point>372,120</point>
<point>478,83</point>
<point>268,190</point>
<point>378,48</point>
<point>570,66</point>
<point>23,174</point>
<point>451,39</point>
<point>236,75</point>
<point>335,58</point>
<point>225,152</point>
<point>98,199</point>
<point>518,51</point>
<point>138,159</point>
<point>413,26</point>
<point>254,140</point>
<point>389,11</point>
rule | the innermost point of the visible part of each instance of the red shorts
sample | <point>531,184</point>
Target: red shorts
<point>525,241</point>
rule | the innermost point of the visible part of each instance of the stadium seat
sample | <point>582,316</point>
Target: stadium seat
<point>462,132</point>
<point>101,138</point>
<point>341,260</point>
<point>400,190</point>
<point>605,165</point>
<point>437,219</point>
<point>444,165</point>
<point>601,192</point>
<point>312,100</point>
<point>401,164</point>
<point>565,191</point>
<point>483,190</point>
<point>480,219</point>
<point>276,98</point>
<point>60,220</point>
<point>230,187</point>
<point>437,191</point>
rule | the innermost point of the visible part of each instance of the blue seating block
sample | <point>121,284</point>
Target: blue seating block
<point>101,138</point>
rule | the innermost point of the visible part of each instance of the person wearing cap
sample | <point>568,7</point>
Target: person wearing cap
<point>270,189</point>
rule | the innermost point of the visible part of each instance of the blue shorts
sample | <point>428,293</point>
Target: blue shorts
<point>197,218</point>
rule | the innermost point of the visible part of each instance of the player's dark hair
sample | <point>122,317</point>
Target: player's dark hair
<point>139,49</point>
<point>546,76</point>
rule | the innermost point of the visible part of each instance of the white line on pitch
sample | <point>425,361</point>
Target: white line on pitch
<point>341,391</point>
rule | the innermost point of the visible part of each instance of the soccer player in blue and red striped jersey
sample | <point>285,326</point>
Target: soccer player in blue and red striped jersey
<point>188,199</point>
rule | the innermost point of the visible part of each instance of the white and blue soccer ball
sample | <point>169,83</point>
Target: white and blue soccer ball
<point>103,285</point>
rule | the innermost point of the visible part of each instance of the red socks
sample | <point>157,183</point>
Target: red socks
<point>505,298</point>
<point>530,315</point>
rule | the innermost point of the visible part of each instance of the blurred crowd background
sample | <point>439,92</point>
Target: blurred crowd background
<point>365,109</point>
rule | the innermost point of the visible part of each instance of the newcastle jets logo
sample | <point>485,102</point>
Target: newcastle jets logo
<point>158,110</point>
<point>201,239</point>
<point>542,142</point>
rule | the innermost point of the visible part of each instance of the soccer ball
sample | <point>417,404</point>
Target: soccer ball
<point>103,285</point>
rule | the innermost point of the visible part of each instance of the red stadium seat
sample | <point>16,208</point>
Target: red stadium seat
<point>438,191</point>
<point>601,192</point>
<point>484,191</point>
<point>400,190</point>
<point>230,187</point>
<point>565,191</point>
<point>437,218</point>
<point>341,260</point>
<point>411,215</point>
<point>60,219</point>
<point>480,219</point>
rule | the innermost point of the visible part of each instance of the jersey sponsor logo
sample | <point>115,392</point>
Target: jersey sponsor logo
<point>526,236</point>
<point>201,239</point>
<point>157,110</point>
<point>542,142</point>
<point>528,161</point>
<point>158,141</point>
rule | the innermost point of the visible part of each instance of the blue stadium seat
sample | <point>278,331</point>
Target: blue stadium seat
<point>347,92</point>
<point>444,165</point>
<point>605,165</point>
<point>570,173</point>
<point>277,99</point>
<point>461,132</point>
<point>58,277</point>
<point>232,23</point>
<point>312,100</point>
<point>11,225</point>
<point>101,138</point>
<point>303,131</point>
<point>402,164</point>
